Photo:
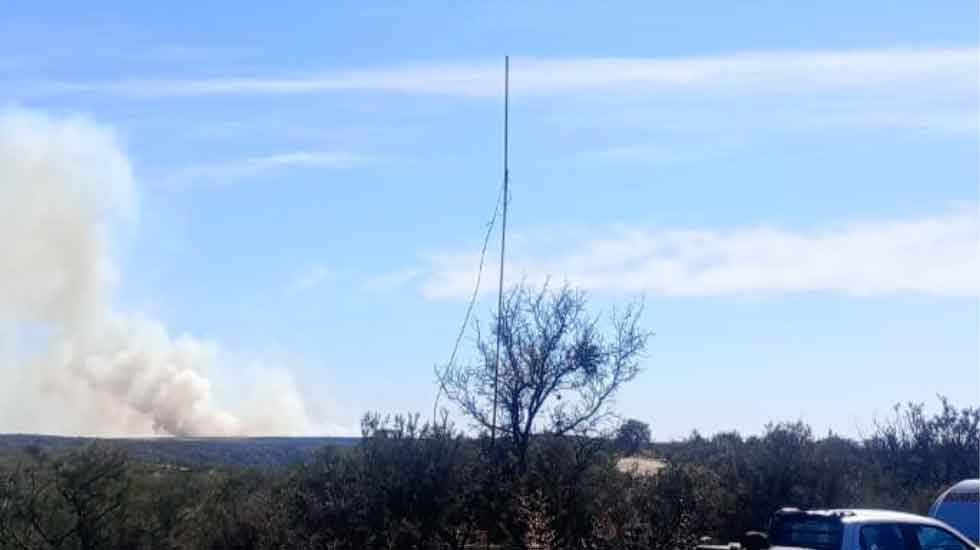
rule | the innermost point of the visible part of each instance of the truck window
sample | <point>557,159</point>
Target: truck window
<point>882,536</point>
<point>808,532</point>
<point>934,538</point>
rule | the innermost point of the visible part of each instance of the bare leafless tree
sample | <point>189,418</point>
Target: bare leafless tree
<point>559,371</point>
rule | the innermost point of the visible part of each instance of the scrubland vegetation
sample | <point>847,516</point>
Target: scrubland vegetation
<point>411,484</point>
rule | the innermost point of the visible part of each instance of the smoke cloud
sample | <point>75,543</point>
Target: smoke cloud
<point>70,362</point>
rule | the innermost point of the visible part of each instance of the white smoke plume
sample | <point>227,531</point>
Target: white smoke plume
<point>70,363</point>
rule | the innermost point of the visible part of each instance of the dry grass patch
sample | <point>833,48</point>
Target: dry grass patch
<point>640,465</point>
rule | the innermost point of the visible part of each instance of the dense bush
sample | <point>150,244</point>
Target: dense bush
<point>422,485</point>
<point>904,464</point>
<point>633,436</point>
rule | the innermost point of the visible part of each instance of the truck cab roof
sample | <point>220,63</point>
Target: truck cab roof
<point>870,515</point>
<point>836,529</point>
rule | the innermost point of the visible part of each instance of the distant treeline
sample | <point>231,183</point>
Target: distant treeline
<point>409,484</point>
<point>189,452</point>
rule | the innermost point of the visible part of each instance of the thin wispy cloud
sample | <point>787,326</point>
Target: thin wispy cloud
<point>305,158</point>
<point>308,279</point>
<point>237,169</point>
<point>391,281</point>
<point>754,72</point>
<point>911,88</point>
<point>666,152</point>
<point>946,119</point>
<point>931,255</point>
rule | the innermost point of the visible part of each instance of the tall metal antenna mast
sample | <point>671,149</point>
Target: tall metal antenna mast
<point>503,249</point>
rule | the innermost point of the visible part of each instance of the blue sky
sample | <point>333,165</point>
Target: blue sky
<point>792,188</point>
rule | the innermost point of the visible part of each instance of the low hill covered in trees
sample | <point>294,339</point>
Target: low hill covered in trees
<point>186,452</point>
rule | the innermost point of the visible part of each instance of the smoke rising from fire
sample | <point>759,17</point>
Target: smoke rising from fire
<point>70,362</point>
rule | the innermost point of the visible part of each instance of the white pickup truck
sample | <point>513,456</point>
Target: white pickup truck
<point>857,530</point>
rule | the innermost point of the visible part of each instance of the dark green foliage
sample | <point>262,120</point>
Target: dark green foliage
<point>408,485</point>
<point>77,501</point>
<point>920,452</point>
<point>633,436</point>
